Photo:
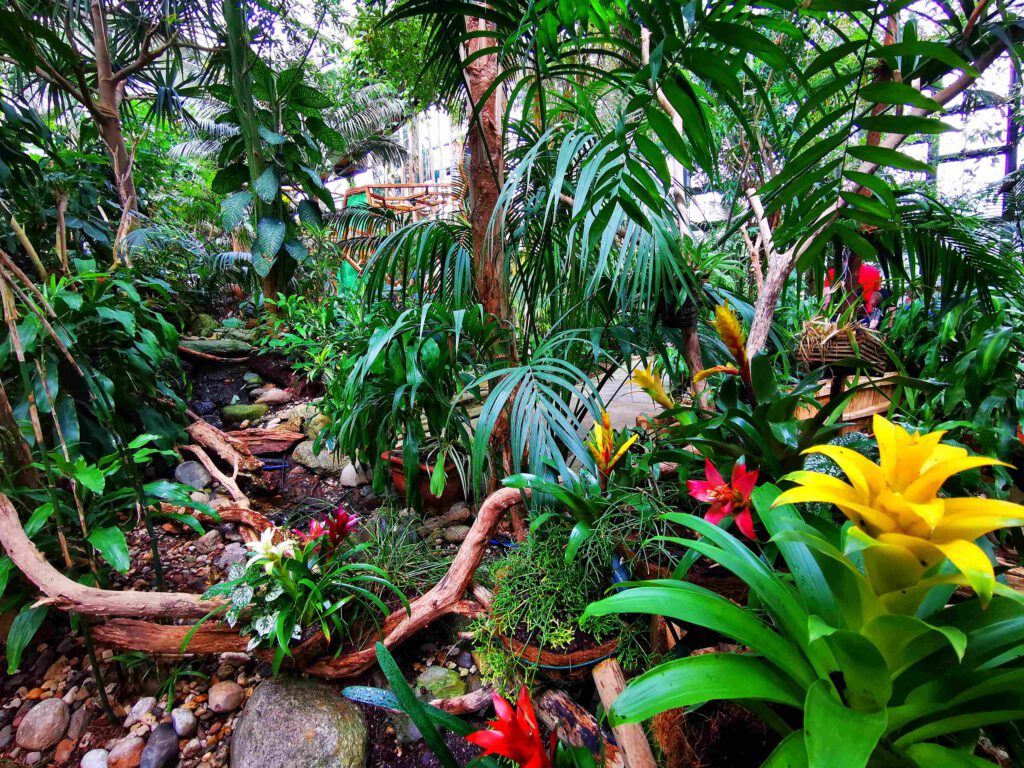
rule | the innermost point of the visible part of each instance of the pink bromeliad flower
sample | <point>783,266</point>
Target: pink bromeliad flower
<point>730,499</point>
<point>340,525</point>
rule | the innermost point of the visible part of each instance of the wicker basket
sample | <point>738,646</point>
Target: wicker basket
<point>824,343</point>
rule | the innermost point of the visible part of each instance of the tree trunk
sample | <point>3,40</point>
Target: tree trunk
<point>107,111</point>
<point>486,175</point>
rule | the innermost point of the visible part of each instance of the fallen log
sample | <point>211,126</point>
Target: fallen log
<point>166,639</point>
<point>261,442</point>
<point>630,737</point>
<point>213,358</point>
<point>467,703</point>
<point>234,452</point>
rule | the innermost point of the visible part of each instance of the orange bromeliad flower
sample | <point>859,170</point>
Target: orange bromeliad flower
<point>731,333</point>
<point>514,734</point>
<point>603,449</point>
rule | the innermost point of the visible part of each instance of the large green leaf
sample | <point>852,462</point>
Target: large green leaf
<point>696,679</point>
<point>23,629</point>
<point>835,735</point>
<point>888,157</point>
<point>233,209</point>
<point>266,185</point>
<point>112,545</point>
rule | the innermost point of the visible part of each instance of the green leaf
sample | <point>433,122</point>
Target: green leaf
<point>269,238</point>
<point>904,124</point>
<point>233,209</point>
<point>271,137</point>
<point>90,476</point>
<point>296,250</point>
<point>890,158</point>
<point>926,50</point>
<point>38,519</point>
<point>696,679</point>
<point>6,568</point>
<point>266,185</point>
<point>835,735</point>
<point>230,178</point>
<point>23,629</point>
<point>120,316</point>
<point>892,92</point>
<point>112,545</point>
<point>309,214</point>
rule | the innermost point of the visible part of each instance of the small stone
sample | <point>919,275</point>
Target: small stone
<point>232,553</point>
<point>459,513</point>
<point>441,682</point>
<point>162,749</point>
<point>32,758</point>
<point>456,534</point>
<point>142,707</point>
<point>199,497</point>
<point>252,379</point>
<point>127,753</point>
<point>184,722</point>
<point>64,751</point>
<point>352,476</point>
<point>275,396</point>
<point>208,542</point>
<point>79,722</point>
<point>96,758</point>
<point>44,725</point>
<point>192,473</point>
<point>225,696</point>
<point>323,463</point>
<point>69,695</point>
<point>6,736</point>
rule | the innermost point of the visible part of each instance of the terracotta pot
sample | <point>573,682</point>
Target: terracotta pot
<point>556,665</point>
<point>452,485</point>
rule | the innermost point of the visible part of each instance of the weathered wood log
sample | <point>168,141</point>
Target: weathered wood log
<point>234,452</point>
<point>443,598</point>
<point>61,592</point>
<point>261,442</point>
<point>631,738</point>
<point>467,703</point>
<point>213,358</point>
<point>166,639</point>
<point>575,725</point>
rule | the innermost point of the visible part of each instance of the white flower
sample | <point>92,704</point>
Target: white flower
<point>268,553</point>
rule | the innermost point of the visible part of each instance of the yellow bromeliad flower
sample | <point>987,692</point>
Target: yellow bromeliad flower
<point>731,333</point>
<point>602,447</point>
<point>907,528</point>
<point>649,380</point>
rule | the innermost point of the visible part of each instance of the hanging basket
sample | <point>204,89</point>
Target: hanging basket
<point>824,343</point>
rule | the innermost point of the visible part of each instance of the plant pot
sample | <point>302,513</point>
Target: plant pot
<point>568,666</point>
<point>452,485</point>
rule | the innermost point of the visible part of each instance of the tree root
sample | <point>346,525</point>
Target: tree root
<point>229,448</point>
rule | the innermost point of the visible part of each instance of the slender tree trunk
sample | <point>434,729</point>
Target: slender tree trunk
<point>107,111</point>
<point>486,175</point>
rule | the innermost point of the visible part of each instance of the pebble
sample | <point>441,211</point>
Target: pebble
<point>96,758</point>
<point>162,749</point>
<point>44,725</point>
<point>225,696</point>
<point>69,697</point>
<point>142,707</point>
<point>6,736</point>
<point>79,722</point>
<point>456,534</point>
<point>64,751</point>
<point>184,722</point>
<point>208,542</point>
<point>127,753</point>
<point>32,758</point>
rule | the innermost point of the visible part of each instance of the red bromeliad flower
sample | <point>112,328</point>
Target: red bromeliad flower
<point>727,499</point>
<point>514,734</point>
<point>335,527</point>
<point>341,524</point>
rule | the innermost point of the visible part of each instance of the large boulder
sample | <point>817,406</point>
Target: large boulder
<point>296,723</point>
<point>323,463</point>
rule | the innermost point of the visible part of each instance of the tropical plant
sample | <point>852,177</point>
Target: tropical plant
<point>874,684</point>
<point>290,587</point>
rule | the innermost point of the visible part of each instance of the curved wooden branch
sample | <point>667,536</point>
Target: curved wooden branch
<point>445,597</point>
<point>61,592</point>
<point>233,451</point>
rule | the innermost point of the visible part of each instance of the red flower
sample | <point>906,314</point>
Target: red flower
<point>316,530</point>
<point>727,499</point>
<point>514,734</point>
<point>340,525</point>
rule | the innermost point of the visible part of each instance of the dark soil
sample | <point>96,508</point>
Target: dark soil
<point>213,387</point>
<point>722,735</point>
<point>386,750</point>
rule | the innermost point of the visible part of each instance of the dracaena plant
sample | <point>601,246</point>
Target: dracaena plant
<point>315,581</point>
<point>862,676</point>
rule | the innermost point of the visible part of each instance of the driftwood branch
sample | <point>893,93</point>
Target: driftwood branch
<point>575,725</point>
<point>61,592</point>
<point>232,450</point>
<point>228,482</point>
<point>630,737</point>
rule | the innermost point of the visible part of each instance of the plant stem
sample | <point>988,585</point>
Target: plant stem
<point>158,568</point>
<point>96,674</point>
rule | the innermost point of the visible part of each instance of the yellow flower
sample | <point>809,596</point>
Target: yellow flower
<point>602,447</point>
<point>649,380</point>
<point>897,512</point>
<point>730,332</point>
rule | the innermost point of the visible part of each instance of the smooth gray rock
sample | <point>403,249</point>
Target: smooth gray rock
<point>162,748</point>
<point>275,396</point>
<point>252,379</point>
<point>456,534</point>
<point>6,736</point>
<point>296,723</point>
<point>141,707</point>
<point>44,725</point>
<point>95,758</point>
<point>184,722</point>
<point>323,463</point>
<point>193,473</point>
<point>232,553</point>
<point>218,347</point>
